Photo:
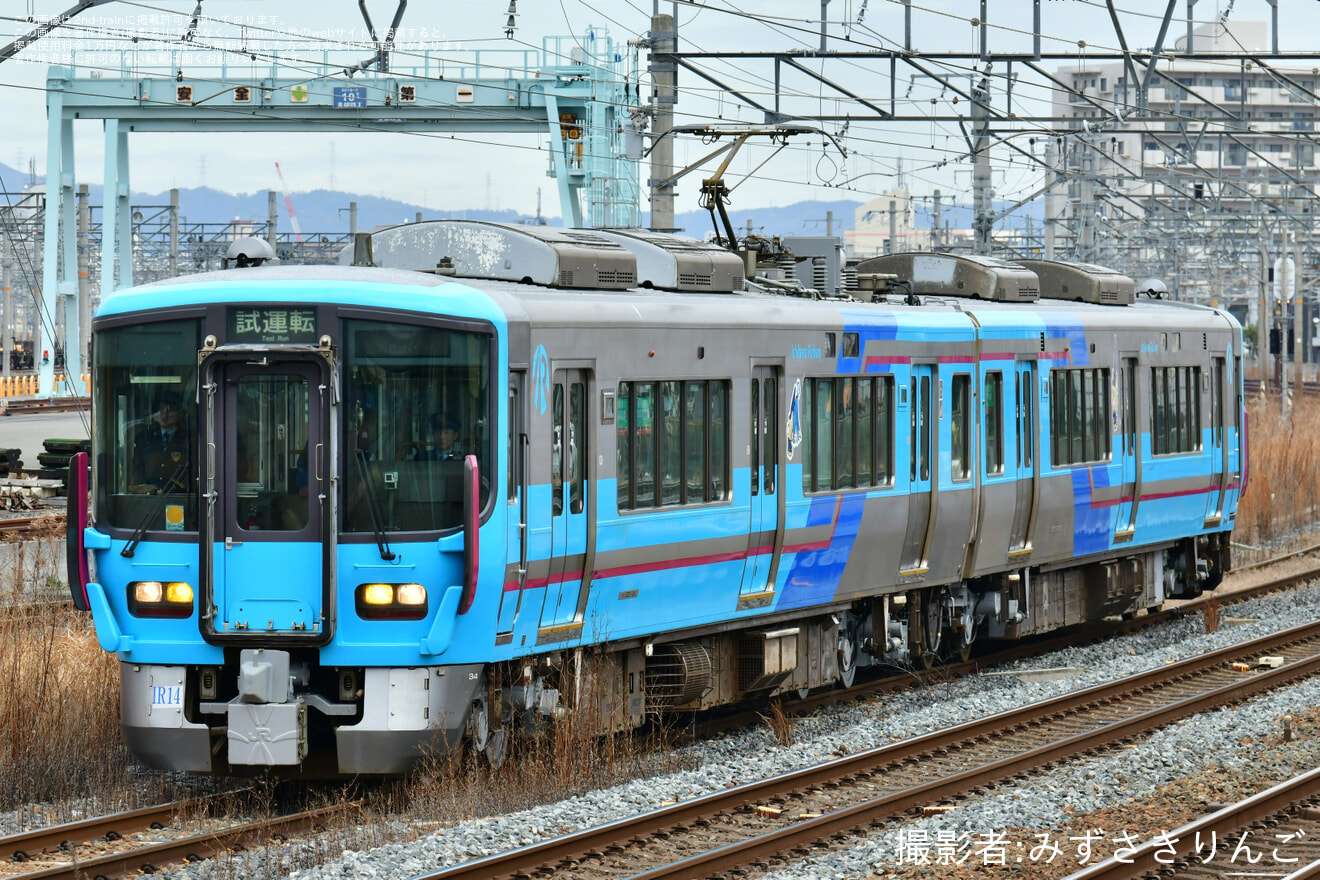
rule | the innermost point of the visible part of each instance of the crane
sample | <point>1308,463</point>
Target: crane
<point>288,205</point>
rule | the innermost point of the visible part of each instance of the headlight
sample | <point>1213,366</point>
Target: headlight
<point>160,599</point>
<point>391,601</point>
<point>148,591</point>
<point>410,594</point>
<point>378,594</point>
<point>178,592</point>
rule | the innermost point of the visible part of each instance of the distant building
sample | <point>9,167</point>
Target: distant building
<point>1238,170</point>
<point>870,235</point>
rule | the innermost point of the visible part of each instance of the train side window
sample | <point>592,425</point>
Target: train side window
<point>577,445</point>
<point>808,422</point>
<point>756,437</point>
<point>557,454</point>
<point>643,445</point>
<point>1026,426</point>
<point>994,423</point>
<point>912,440</point>
<point>824,419</point>
<point>844,437</point>
<point>671,443</point>
<point>925,428</point>
<point>770,413</point>
<point>1175,410</point>
<point>719,443</point>
<point>624,446</point>
<point>1217,404</point>
<point>515,382</point>
<point>884,431</point>
<point>865,390</point>
<point>696,456</point>
<point>1079,416</point>
<point>688,448</point>
<point>960,466</point>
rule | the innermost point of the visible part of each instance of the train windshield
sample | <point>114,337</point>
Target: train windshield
<point>418,402</point>
<point>146,421</point>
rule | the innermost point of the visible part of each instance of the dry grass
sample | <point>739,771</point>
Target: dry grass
<point>60,744</point>
<point>781,725</point>
<point>1283,474</point>
<point>59,693</point>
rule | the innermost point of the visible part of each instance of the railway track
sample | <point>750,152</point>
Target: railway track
<point>749,826</point>
<point>56,404</point>
<point>1272,834</point>
<point>27,527</point>
<point>72,850</point>
<point>760,818</point>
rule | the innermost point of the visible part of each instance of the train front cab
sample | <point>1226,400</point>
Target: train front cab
<point>314,627</point>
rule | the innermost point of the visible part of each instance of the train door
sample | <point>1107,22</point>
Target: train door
<point>571,498</point>
<point>1219,466</point>
<point>269,434</point>
<point>1129,451</point>
<point>766,532</point>
<point>923,408</point>
<point>515,580</point>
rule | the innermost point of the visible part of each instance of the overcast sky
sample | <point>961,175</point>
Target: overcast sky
<point>452,174</point>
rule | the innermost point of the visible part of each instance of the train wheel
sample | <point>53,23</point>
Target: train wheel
<point>847,659</point>
<point>489,733</point>
<point>926,627</point>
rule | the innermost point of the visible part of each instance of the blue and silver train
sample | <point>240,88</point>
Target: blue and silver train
<point>488,474</point>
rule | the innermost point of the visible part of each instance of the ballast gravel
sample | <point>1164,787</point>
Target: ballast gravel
<point>1084,785</point>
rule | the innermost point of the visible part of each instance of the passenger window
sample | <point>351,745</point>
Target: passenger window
<point>824,433</point>
<point>577,445</point>
<point>994,423</point>
<point>694,432</point>
<point>557,455</point>
<point>771,433</point>
<point>756,437</point>
<point>959,459</point>
<point>623,447</point>
<point>844,434</point>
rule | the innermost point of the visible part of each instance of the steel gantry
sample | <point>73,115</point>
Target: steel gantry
<point>576,89</point>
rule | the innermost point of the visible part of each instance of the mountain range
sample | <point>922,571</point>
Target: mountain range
<point>327,212</point>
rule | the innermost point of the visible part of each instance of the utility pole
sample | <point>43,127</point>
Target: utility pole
<point>664,73</point>
<point>983,197</point>
<point>1298,312</point>
<point>174,232</point>
<point>1051,197</point>
<point>1285,289</point>
<point>1263,316</point>
<point>936,222</point>
<point>6,288</point>
<point>272,219</point>
<point>893,226</point>
<point>84,340</point>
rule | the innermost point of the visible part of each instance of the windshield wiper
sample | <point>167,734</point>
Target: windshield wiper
<point>170,485</point>
<point>381,542</point>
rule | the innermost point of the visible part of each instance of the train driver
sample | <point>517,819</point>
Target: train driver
<point>444,437</point>
<point>161,450</point>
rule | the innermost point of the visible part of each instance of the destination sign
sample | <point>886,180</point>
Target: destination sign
<point>272,325</point>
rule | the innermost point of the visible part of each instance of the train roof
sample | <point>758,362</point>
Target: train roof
<point>601,308</point>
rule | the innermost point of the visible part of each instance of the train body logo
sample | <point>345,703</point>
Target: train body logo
<point>540,378</point>
<point>794,427</point>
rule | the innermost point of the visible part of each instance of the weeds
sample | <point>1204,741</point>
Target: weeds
<point>781,726</point>
<point>1283,471</point>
